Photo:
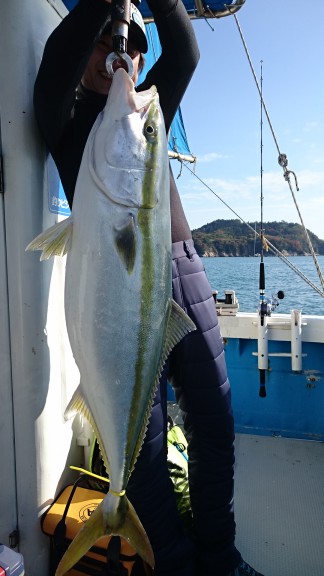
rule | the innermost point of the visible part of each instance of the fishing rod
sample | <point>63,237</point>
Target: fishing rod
<point>266,305</point>
<point>263,308</point>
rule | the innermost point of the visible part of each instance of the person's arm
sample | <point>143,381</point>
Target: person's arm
<point>65,57</point>
<point>180,55</point>
<point>70,45</point>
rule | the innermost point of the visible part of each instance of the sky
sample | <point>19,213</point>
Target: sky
<point>222,116</point>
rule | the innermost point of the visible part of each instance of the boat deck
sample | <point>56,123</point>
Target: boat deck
<point>279,503</point>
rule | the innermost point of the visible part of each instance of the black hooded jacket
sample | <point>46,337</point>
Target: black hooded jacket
<point>65,112</point>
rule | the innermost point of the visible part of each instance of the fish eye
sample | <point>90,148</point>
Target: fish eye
<point>150,131</point>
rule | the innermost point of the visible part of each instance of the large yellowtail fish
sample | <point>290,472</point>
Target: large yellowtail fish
<point>120,316</point>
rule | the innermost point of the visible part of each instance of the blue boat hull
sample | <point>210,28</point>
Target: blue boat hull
<point>293,406</point>
<point>294,403</point>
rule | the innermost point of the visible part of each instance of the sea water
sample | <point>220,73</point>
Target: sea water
<point>242,275</point>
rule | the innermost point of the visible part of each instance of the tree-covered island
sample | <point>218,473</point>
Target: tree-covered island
<point>234,238</point>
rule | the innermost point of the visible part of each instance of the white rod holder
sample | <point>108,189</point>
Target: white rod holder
<point>263,344</point>
<point>296,341</point>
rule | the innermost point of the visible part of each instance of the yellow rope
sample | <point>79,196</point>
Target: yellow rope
<point>121,493</point>
<point>101,478</point>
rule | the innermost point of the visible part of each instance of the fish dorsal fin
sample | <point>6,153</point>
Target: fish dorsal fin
<point>79,405</point>
<point>125,242</point>
<point>56,241</point>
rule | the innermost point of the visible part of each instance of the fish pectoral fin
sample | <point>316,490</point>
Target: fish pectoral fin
<point>56,241</point>
<point>92,530</point>
<point>125,242</point>
<point>179,325</point>
<point>77,404</point>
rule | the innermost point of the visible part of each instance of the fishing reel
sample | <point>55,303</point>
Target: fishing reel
<point>268,305</point>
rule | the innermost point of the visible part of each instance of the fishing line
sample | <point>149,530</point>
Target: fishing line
<point>267,242</point>
<point>282,158</point>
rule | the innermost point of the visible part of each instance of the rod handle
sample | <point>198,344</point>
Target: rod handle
<point>262,391</point>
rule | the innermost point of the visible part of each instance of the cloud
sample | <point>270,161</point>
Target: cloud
<point>310,179</point>
<point>318,160</point>
<point>210,157</point>
<point>311,125</point>
<point>243,197</point>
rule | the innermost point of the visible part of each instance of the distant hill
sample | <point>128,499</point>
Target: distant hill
<point>233,238</point>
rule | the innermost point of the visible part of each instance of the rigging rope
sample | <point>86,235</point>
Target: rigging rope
<point>282,158</point>
<point>269,244</point>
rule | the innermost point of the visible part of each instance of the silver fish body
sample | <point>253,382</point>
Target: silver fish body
<point>121,319</point>
<point>118,276</point>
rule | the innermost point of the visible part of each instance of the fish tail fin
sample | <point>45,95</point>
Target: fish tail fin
<point>56,241</point>
<point>132,530</point>
<point>123,522</point>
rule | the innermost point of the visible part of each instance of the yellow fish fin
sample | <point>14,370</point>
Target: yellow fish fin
<point>92,530</point>
<point>178,326</point>
<point>79,405</point>
<point>56,241</point>
<point>124,522</point>
<point>133,531</point>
